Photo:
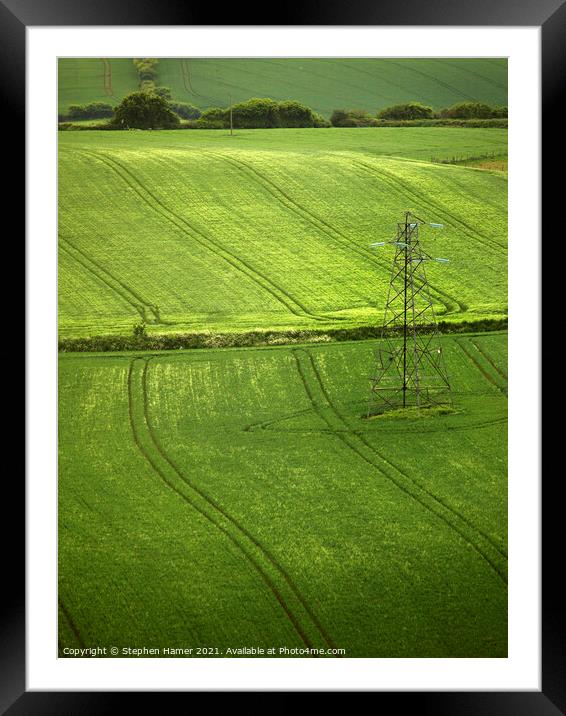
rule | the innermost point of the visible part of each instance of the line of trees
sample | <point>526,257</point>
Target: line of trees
<point>411,111</point>
<point>146,68</point>
<point>154,108</point>
<point>93,110</point>
<point>261,113</point>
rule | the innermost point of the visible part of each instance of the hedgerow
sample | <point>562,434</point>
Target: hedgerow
<point>141,341</point>
<point>93,110</point>
<point>409,110</point>
<point>147,72</point>
<point>474,110</point>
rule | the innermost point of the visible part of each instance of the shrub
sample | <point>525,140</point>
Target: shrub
<point>139,330</point>
<point>500,112</point>
<point>146,67</point>
<point>295,114</point>
<point>255,113</point>
<point>473,110</point>
<point>471,123</point>
<point>215,115</point>
<point>319,120</point>
<point>144,110</point>
<point>339,118</point>
<point>352,118</point>
<point>203,123</point>
<point>164,92</point>
<point>409,110</point>
<point>266,113</point>
<point>184,110</point>
<point>361,118</point>
<point>94,110</point>
<point>147,73</point>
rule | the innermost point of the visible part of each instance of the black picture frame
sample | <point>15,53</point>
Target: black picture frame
<point>550,16</point>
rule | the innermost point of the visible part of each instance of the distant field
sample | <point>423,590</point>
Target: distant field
<point>269,228</point>
<point>237,497</point>
<point>323,84</point>
<point>84,80</point>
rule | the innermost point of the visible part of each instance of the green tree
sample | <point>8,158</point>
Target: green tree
<point>352,118</point>
<point>256,113</point>
<point>409,110</point>
<point>339,118</point>
<point>473,110</point>
<point>144,110</point>
<point>164,92</point>
<point>295,114</point>
<point>139,330</point>
<point>94,110</point>
<point>185,110</point>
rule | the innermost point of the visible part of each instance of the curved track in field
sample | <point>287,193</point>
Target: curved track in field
<point>428,76</point>
<point>268,425</point>
<point>482,543</point>
<point>107,77</point>
<point>473,73</point>
<point>71,622</point>
<point>121,289</point>
<point>435,207</point>
<point>489,359</point>
<point>485,372</point>
<point>330,230</point>
<point>186,75</point>
<point>196,234</point>
<point>147,442</point>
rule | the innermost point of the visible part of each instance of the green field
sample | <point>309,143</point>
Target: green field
<point>322,84</point>
<point>200,231</point>
<point>85,80</point>
<point>223,498</point>
<point>238,497</point>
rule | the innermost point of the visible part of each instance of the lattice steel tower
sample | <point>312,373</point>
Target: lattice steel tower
<point>410,365</point>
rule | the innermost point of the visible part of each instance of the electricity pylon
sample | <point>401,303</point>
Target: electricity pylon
<point>410,367</point>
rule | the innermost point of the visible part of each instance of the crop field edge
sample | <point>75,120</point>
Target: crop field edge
<point>256,338</point>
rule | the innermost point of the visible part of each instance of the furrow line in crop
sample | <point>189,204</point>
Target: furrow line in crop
<point>107,68</point>
<point>296,208</point>
<point>181,223</point>
<point>436,207</point>
<point>375,75</point>
<point>446,85</point>
<point>121,289</point>
<point>486,374</point>
<point>387,461</point>
<point>147,442</point>
<point>264,424</point>
<point>478,540</point>
<point>489,359</point>
<point>328,229</point>
<point>465,68</point>
<point>237,524</point>
<point>71,623</point>
<point>153,461</point>
<point>186,73</point>
<point>268,425</point>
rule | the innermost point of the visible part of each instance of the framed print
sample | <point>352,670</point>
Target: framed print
<point>279,279</point>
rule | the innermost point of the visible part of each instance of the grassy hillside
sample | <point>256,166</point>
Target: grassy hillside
<point>269,228</point>
<point>323,84</point>
<point>85,80</point>
<point>238,497</point>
